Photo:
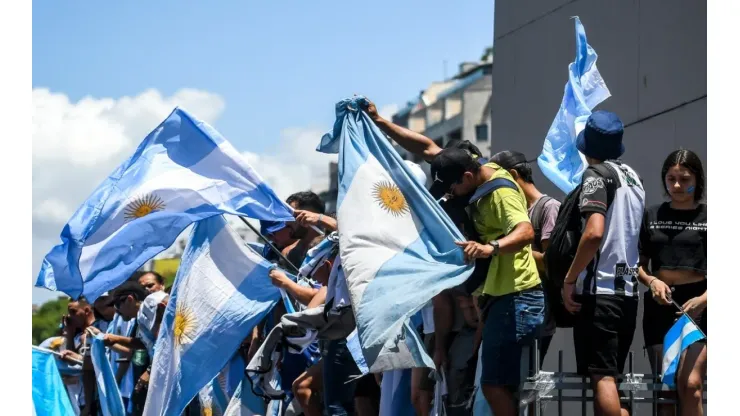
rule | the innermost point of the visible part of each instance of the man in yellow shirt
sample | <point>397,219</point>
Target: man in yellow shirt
<point>515,306</point>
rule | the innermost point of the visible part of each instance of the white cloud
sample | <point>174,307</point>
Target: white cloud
<point>77,144</point>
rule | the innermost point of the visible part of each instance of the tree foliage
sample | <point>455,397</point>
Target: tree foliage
<point>45,321</point>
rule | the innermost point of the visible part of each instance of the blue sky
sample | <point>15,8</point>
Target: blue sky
<point>276,65</point>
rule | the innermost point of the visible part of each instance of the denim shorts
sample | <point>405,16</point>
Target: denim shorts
<point>513,322</point>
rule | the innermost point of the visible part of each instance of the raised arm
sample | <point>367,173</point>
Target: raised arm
<point>413,142</point>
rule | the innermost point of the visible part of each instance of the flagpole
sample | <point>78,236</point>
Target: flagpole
<point>687,316</point>
<point>272,247</point>
<point>58,354</point>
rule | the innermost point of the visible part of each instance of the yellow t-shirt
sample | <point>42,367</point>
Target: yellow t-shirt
<point>494,216</point>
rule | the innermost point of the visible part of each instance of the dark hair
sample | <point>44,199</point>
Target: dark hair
<point>524,170</point>
<point>308,201</point>
<point>689,160</point>
<point>138,274</point>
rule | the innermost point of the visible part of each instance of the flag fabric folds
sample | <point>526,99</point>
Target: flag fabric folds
<point>396,244</point>
<point>49,394</point>
<point>560,160</point>
<point>183,171</point>
<point>111,403</point>
<point>681,335</point>
<point>221,292</point>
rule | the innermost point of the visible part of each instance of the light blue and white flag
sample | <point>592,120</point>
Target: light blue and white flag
<point>183,171</point>
<point>560,161</point>
<point>109,396</point>
<point>245,403</point>
<point>681,335</point>
<point>397,245</point>
<point>220,293</point>
<point>395,393</point>
<point>49,394</point>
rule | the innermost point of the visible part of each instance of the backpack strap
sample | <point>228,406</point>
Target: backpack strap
<point>490,187</point>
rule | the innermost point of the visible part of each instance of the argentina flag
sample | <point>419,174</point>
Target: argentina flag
<point>397,245</point>
<point>680,337</point>
<point>109,397</point>
<point>49,394</point>
<point>560,161</point>
<point>221,291</point>
<point>183,171</point>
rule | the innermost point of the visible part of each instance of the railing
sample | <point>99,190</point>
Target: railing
<point>547,387</point>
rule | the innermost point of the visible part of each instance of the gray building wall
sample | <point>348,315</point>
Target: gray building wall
<point>652,55</point>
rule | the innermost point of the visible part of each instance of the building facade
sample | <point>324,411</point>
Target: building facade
<point>652,55</point>
<point>455,109</point>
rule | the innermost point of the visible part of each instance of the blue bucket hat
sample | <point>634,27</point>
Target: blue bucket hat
<point>271,227</point>
<point>602,137</point>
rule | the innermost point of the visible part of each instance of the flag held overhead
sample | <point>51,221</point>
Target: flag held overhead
<point>396,244</point>
<point>183,171</point>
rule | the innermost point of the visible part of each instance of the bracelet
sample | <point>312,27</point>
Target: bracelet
<point>320,217</point>
<point>650,285</point>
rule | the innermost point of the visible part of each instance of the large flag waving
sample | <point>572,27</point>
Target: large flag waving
<point>397,245</point>
<point>221,292</point>
<point>183,171</point>
<point>560,160</point>
<point>49,394</point>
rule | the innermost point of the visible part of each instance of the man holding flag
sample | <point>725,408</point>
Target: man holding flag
<point>513,300</point>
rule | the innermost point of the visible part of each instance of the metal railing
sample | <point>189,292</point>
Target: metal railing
<point>548,387</point>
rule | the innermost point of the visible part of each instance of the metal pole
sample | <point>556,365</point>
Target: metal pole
<point>560,391</point>
<point>655,382</point>
<point>584,396</point>
<point>537,402</point>
<point>631,394</point>
<point>274,249</point>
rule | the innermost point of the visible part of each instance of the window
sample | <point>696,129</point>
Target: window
<point>481,133</point>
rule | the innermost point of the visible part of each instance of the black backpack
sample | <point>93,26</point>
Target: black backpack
<point>562,249</point>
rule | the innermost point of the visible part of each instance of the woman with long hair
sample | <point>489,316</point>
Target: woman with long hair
<point>673,243</point>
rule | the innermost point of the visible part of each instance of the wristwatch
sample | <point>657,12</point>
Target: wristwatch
<point>495,246</point>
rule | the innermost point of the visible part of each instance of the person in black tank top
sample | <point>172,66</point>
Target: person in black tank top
<point>673,265</point>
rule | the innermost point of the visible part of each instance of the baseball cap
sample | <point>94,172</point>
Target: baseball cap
<point>448,167</point>
<point>271,227</point>
<point>508,159</point>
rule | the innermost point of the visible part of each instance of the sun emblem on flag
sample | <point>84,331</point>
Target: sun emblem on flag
<point>184,325</point>
<point>207,411</point>
<point>390,198</point>
<point>143,206</point>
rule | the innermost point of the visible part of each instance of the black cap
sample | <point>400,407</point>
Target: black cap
<point>508,159</point>
<point>448,167</point>
<point>134,289</point>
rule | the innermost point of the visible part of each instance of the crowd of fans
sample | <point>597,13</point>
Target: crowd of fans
<point>539,264</point>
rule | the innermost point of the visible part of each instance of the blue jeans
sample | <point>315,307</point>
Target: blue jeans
<point>339,368</point>
<point>512,324</point>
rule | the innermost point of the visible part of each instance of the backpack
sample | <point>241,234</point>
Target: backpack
<point>564,240</point>
<point>480,272</point>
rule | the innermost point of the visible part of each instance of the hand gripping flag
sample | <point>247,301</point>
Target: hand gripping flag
<point>183,171</point>
<point>397,245</point>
